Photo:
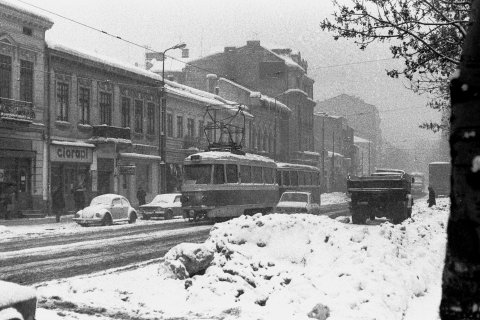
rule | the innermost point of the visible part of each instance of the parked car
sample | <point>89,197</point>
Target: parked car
<point>165,205</point>
<point>297,202</point>
<point>17,302</point>
<point>106,210</point>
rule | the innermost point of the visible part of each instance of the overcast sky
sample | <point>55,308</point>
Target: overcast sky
<point>206,25</point>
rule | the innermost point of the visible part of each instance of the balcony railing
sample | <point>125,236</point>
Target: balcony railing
<point>104,131</point>
<point>16,110</point>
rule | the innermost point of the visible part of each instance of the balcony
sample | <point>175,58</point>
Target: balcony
<point>104,134</point>
<point>16,110</point>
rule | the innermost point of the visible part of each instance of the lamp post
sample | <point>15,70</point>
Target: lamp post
<point>163,123</point>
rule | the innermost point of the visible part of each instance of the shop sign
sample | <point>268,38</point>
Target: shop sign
<point>61,153</point>
<point>127,170</point>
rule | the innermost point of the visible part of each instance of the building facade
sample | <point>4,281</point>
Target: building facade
<point>364,118</point>
<point>22,131</point>
<point>276,73</point>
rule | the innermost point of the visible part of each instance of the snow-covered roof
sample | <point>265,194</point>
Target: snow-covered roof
<point>225,155</point>
<point>284,165</point>
<point>287,58</point>
<point>172,65</point>
<point>139,156</point>
<point>330,153</point>
<point>171,86</point>
<point>295,90</point>
<point>73,143</point>
<point>440,162</point>
<point>28,10</point>
<point>257,94</point>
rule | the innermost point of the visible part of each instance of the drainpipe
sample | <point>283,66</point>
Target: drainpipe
<point>47,163</point>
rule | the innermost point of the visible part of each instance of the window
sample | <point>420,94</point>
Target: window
<point>269,175</point>
<point>27,31</point>
<point>105,108</point>
<point>301,178</point>
<point>279,178</point>
<point>246,174</point>
<point>84,104</point>
<point>151,118</point>
<point>190,127</point>
<point>179,127</point>
<point>232,173</point>
<point>308,178</point>
<point>257,174</point>
<point>169,125</point>
<point>200,128</point>
<point>138,116</point>
<point>5,76</point>
<point>294,178</point>
<point>62,101</point>
<point>286,178</point>
<point>125,112</point>
<point>26,80</point>
<point>198,173</point>
<point>218,174</point>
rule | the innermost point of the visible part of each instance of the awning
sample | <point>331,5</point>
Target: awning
<point>139,156</point>
<point>73,143</point>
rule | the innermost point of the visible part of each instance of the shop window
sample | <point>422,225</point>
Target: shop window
<point>138,116</point>
<point>150,118</point>
<point>26,80</point>
<point>232,173</point>
<point>5,76</point>
<point>62,101</point>
<point>106,108</point>
<point>125,112</point>
<point>84,104</point>
<point>218,174</point>
<point>143,176</point>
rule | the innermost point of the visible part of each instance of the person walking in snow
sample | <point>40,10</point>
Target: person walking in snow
<point>431,197</point>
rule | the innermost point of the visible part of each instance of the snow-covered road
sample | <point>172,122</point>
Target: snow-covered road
<point>278,267</point>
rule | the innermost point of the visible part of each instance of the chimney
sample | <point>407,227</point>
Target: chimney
<point>229,49</point>
<point>253,43</point>
<point>212,80</point>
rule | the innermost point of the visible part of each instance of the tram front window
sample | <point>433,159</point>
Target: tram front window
<point>198,174</point>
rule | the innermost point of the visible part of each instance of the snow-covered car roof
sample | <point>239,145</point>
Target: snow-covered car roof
<point>109,196</point>
<point>12,293</point>
<point>168,197</point>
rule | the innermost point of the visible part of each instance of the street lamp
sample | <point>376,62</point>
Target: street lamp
<point>163,120</point>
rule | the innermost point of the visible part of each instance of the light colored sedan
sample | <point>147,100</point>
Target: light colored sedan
<point>105,210</point>
<point>165,205</point>
<point>297,202</point>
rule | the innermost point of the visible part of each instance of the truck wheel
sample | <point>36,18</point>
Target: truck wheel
<point>400,213</point>
<point>358,216</point>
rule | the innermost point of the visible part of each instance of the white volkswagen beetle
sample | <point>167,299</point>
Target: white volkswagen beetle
<point>105,210</point>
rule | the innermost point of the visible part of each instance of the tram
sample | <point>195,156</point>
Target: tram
<point>227,184</point>
<point>224,184</point>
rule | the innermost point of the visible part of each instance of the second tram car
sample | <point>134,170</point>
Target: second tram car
<point>224,184</point>
<point>299,177</point>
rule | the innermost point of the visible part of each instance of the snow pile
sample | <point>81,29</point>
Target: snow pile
<point>281,267</point>
<point>334,198</point>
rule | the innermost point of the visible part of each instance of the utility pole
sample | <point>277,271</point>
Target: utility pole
<point>323,154</point>
<point>333,156</point>
<point>461,276</point>
<point>369,159</point>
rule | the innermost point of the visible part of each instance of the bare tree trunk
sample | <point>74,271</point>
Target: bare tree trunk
<point>461,274</point>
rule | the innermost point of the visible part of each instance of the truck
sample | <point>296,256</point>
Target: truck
<point>439,177</point>
<point>385,193</point>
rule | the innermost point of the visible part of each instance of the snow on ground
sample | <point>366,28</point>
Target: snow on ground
<point>334,198</point>
<point>278,267</point>
<point>29,231</point>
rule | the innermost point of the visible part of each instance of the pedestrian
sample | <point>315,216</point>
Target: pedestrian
<point>58,203</point>
<point>79,196</point>
<point>141,194</point>
<point>10,202</point>
<point>431,197</point>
